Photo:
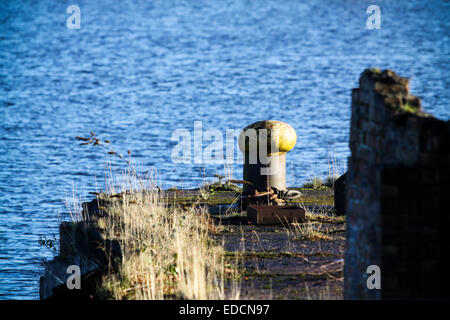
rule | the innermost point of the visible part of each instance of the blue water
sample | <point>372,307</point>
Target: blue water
<point>137,70</point>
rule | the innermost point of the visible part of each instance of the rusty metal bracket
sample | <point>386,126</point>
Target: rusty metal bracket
<point>273,215</point>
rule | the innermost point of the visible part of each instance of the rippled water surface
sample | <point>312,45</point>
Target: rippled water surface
<point>138,70</point>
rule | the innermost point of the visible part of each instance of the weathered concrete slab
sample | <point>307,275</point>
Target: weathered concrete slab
<point>274,265</point>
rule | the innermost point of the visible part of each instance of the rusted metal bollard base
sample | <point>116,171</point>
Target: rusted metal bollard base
<point>271,215</point>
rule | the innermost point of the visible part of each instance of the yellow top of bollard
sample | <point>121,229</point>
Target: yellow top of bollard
<point>281,134</point>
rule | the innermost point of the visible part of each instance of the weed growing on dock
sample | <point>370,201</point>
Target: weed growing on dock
<point>314,183</point>
<point>334,172</point>
<point>323,217</point>
<point>307,231</point>
<point>316,226</point>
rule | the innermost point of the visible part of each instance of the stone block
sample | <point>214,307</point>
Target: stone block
<point>340,194</point>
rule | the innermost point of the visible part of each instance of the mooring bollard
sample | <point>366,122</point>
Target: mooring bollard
<point>264,145</point>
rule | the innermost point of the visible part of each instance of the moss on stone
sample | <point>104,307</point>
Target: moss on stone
<point>409,108</point>
<point>375,70</point>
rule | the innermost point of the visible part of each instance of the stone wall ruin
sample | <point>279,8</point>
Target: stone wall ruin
<point>396,189</point>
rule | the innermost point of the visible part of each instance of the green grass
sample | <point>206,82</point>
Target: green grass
<point>314,183</point>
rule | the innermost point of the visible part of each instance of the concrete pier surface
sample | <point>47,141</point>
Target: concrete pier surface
<point>275,261</point>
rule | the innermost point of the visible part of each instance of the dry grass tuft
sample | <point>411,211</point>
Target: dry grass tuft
<point>316,226</point>
<point>167,252</point>
<point>323,217</point>
<point>307,231</point>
